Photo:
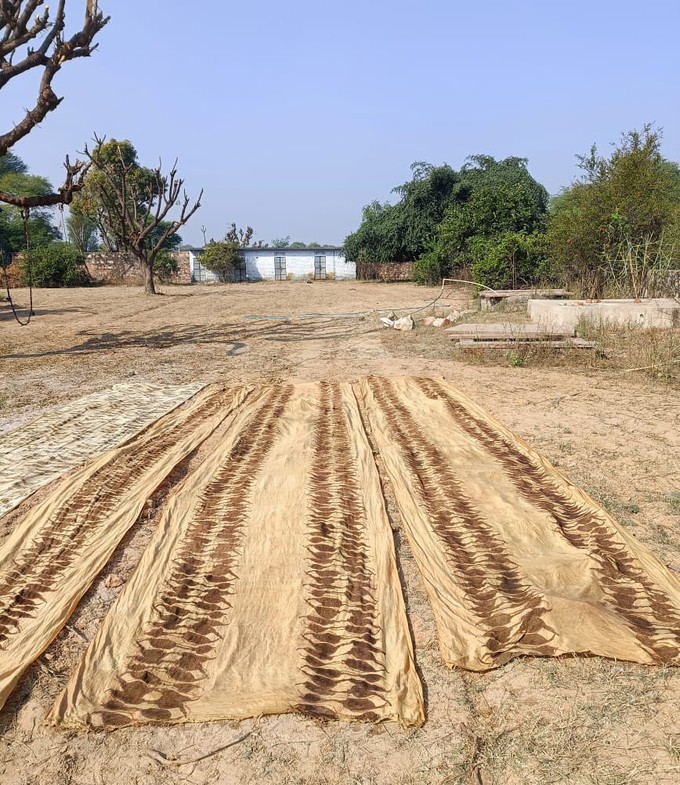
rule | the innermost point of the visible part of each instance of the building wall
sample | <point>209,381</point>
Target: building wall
<point>123,268</point>
<point>299,264</point>
<point>385,271</point>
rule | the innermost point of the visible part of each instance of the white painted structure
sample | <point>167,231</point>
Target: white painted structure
<point>565,314</point>
<point>281,264</point>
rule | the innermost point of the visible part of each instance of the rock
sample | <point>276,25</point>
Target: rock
<point>453,317</point>
<point>427,321</point>
<point>113,581</point>
<point>405,323</point>
<point>438,322</point>
<point>387,322</point>
<point>392,316</point>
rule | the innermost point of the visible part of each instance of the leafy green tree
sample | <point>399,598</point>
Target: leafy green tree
<point>616,227</point>
<point>222,257</point>
<point>131,204</point>
<point>508,260</point>
<point>56,264</point>
<point>401,232</point>
<point>380,236</point>
<point>281,242</point>
<point>441,212</point>
<point>297,245</point>
<point>81,231</point>
<point>115,167</point>
<point>490,199</point>
<point>15,178</point>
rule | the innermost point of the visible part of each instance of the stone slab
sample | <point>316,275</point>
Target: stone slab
<point>565,314</point>
<point>505,331</point>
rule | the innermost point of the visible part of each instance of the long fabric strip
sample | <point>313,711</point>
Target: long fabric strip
<point>41,451</point>
<point>270,586</point>
<point>515,559</point>
<point>57,549</point>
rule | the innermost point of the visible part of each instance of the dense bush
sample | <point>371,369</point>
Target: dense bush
<point>616,230</point>
<point>222,258</point>
<point>55,265</point>
<point>442,213</point>
<point>165,264</point>
<point>510,260</point>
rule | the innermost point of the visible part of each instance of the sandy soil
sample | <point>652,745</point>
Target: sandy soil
<point>534,721</point>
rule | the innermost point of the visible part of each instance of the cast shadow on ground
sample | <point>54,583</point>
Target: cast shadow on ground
<point>234,335</point>
<point>6,314</point>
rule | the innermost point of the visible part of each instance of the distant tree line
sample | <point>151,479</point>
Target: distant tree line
<point>615,230</point>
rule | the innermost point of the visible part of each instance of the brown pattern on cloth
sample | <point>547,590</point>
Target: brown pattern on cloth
<point>37,569</point>
<point>506,608</point>
<point>269,586</point>
<point>598,591</point>
<point>55,551</point>
<point>649,612</point>
<point>343,659</point>
<point>190,612</point>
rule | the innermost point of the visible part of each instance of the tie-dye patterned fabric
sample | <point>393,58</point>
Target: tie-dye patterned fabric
<point>41,451</point>
<point>271,585</point>
<point>57,549</point>
<point>516,560</point>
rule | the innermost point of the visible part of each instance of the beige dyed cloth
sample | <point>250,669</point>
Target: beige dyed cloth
<point>41,451</point>
<point>515,559</point>
<point>270,586</point>
<point>57,549</point>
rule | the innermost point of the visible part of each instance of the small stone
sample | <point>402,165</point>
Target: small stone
<point>113,581</point>
<point>405,323</point>
<point>428,320</point>
<point>438,322</point>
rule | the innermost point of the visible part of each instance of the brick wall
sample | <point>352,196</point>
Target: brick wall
<point>385,271</point>
<point>123,268</point>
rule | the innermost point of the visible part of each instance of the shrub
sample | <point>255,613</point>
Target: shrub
<point>222,258</point>
<point>165,265</point>
<point>55,265</point>
<point>509,260</point>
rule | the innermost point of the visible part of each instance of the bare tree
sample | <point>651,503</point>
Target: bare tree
<point>135,209</point>
<point>31,38</point>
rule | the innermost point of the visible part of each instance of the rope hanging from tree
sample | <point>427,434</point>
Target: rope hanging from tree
<point>25,214</point>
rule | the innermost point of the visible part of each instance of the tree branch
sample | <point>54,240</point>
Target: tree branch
<point>20,27</point>
<point>75,174</point>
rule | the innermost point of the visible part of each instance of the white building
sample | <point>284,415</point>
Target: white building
<point>280,264</point>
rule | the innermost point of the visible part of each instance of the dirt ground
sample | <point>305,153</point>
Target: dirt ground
<point>533,721</point>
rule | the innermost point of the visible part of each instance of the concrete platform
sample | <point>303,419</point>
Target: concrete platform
<point>565,314</point>
<point>489,299</point>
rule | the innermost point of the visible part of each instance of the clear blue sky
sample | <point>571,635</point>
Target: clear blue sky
<point>294,115</point>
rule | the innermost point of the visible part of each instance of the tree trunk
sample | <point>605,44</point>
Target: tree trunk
<point>149,285</point>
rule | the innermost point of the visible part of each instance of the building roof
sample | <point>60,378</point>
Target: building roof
<point>282,251</point>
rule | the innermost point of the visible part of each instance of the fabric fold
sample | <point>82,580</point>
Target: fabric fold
<point>270,586</point>
<point>57,549</point>
<point>515,559</point>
